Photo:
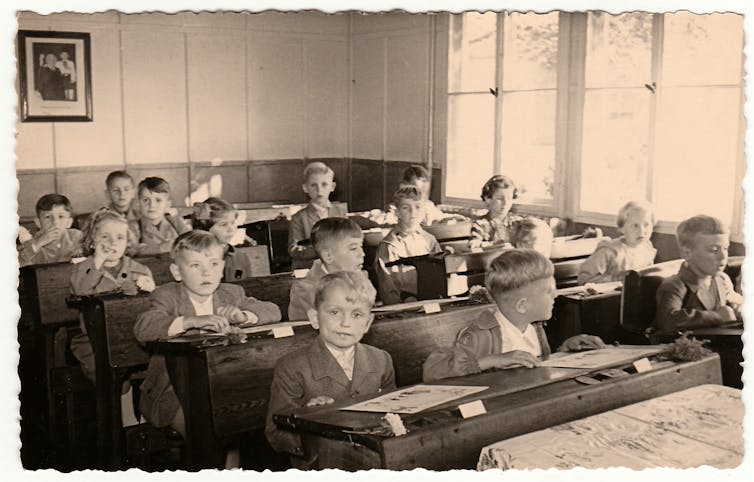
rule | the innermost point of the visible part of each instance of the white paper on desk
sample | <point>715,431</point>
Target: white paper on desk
<point>417,304</point>
<point>414,399</point>
<point>285,324</point>
<point>601,358</point>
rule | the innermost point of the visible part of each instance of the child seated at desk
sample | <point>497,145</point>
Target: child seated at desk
<point>405,240</point>
<point>495,227</point>
<point>533,233</point>
<point>121,191</point>
<point>339,242</point>
<point>55,241</point>
<point>701,294</point>
<point>632,251</point>
<point>197,300</point>
<point>318,185</point>
<point>106,269</point>
<point>159,224</point>
<point>418,177</point>
<point>218,216</point>
<point>335,366</point>
<point>521,283</point>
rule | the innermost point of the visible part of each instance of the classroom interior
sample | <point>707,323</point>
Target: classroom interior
<point>584,110</point>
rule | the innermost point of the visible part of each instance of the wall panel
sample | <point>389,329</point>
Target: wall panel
<point>154,97</point>
<point>368,97</point>
<point>31,186</point>
<point>326,90</point>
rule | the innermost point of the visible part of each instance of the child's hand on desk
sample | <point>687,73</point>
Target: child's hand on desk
<point>510,359</point>
<point>216,323</point>
<point>236,316</point>
<point>582,342</point>
<point>475,243</point>
<point>727,313</point>
<point>449,249</point>
<point>321,400</point>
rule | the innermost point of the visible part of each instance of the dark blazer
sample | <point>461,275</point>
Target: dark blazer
<point>159,403</point>
<point>681,306</point>
<point>312,371</point>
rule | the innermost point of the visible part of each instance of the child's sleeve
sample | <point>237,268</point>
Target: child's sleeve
<point>434,245</point>
<point>266,311</point>
<point>459,360</point>
<point>672,316</point>
<point>388,377</point>
<point>155,322</point>
<point>595,266</point>
<point>295,232</point>
<point>26,253</point>
<point>389,292</point>
<point>301,300</point>
<point>179,224</point>
<point>286,394</point>
<point>732,297</point>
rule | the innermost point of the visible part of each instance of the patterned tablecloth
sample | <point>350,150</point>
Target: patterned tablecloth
<point>698,426</point>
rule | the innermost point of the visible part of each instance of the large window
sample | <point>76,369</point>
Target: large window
<point>588,111</point>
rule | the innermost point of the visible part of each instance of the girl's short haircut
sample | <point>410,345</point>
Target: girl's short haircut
<point>317,168</point>
<point>515,269</point>
<point>496,182</point>
<point>700,224</point>
<point>117,175</point>
<point>355,283</point>
<point>154,184</point>
<point>405,192</point>
<point>329,230</point>
<point>415,171</point>
<point>49,201</point>
<point>526,226</point>
<point>634,206</point>
<point>103,214</point>
<point>206,214</point>
<point>198,241</point>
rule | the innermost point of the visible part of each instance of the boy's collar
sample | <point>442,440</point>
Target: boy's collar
<point>690,276</point>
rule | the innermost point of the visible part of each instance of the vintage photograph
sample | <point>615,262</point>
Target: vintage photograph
<point>479,240</point>
<point>54,76</point>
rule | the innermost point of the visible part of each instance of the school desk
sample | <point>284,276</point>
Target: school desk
<point>592,314</point>
<point>518,401</point>
<point>224,390</point>
<point>698,426</point>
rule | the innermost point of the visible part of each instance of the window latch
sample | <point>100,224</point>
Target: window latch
<point>651,87</point>
<point>493,91</point>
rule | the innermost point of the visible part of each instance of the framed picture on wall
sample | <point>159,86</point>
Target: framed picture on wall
<point>55,76</point>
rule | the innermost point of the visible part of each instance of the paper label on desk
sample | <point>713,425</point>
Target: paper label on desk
<point>642,365</point>
<point>282,331</point>
<point>472,409</point>
<point>300,273</point>
<point>477,250</point>
<point>432,308</point>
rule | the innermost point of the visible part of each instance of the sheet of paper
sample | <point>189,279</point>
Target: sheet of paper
<point>472,409</point>
<point>274,326</point>
<point>414,399</point>
<point>416,304</point>
<point>605,357</point>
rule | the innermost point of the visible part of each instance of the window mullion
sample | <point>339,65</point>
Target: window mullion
<point>570,183</point>
<point>497,151</point>
<point>658,34</point>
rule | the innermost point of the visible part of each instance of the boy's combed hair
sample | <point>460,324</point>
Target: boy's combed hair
<point>496,182</point>
<point>515,269</point>
<point>632,206</point>
<point>197,240</point>
<point>317,168</point>
<point>356,283</point>
<point>154,184</point>
<point>117,175</point>
<point>523,229</point>
<point>49,201</point>
<point>404,193</point>
<point>205,214</point>
<point>413,172</point>
<point>103,214</point>
<point>328,230</point>
<point>700,224</point>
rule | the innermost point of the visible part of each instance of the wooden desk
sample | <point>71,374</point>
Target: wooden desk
<point>597,314</point>
<point>702,425</point>
<point>224,390</point>
<point>518,401</point>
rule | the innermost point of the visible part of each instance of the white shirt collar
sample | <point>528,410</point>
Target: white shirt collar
<point>515,339</point>
<point>201,308</point>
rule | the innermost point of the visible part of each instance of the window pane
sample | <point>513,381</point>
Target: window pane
<point>614,148</point>
<point>696,150</point>
<point>530,51</point>
<point>702,49</point>
<point>619,49</point>
<point>471,125</point>
<point>471,52</point>
<point>528,137</point>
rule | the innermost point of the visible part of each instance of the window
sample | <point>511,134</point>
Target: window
<point>588,111</point>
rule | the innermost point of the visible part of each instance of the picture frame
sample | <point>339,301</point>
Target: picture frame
<point>54,76</point>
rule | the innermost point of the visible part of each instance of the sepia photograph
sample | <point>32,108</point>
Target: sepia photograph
<point>483,240</point>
